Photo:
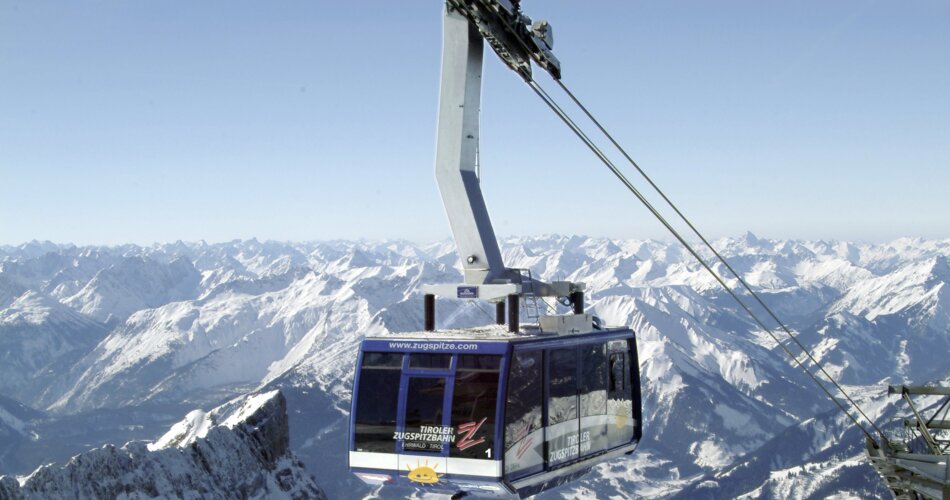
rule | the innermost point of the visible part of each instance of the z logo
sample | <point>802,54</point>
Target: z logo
<point>468,431</point>
<point>525,443</point>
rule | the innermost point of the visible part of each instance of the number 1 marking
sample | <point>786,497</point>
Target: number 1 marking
<point>488,452</point>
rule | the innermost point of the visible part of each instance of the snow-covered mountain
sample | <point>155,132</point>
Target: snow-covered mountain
<point>111,331</point>
<point>39,336</point>
<point>240,449</point>
<point>132,284</point>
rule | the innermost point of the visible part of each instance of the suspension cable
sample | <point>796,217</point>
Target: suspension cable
<point>719,257</point>
<point>613,168</point>
<point>646,203</point>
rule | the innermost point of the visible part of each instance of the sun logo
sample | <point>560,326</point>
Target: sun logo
<point>621,421</point>
<point>423,473</point>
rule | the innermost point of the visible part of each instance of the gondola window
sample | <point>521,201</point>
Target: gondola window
<point>424,430</point>
<point>377,402</point>
<point>524,436</point>
<point>474,399</point>
<point>562,431</point>
<point>593,399</point>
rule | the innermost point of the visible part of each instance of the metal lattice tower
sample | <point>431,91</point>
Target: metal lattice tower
<point>919,466</point>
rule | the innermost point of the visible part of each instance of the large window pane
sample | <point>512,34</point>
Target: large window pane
<point>474,401</point>
<point>524,441</point>
<point>563,372</point>
<point>424,401</point>
<point>562,431</point>
<point>593,399</point>
<point>376,402</point>
<point>593,380</point>
<point>620,423</point>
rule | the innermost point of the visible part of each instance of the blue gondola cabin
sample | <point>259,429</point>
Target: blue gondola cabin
<point>491,413</point>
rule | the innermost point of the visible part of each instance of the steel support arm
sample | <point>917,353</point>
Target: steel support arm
<point>457,153</point>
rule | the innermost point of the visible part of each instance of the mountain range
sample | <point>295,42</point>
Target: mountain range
<point>113,344</point>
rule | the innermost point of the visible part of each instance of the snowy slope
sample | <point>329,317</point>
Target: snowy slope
<point>899,320</point>
<point>241,334</point>
<point>39,336</point>
<point>133,284</point>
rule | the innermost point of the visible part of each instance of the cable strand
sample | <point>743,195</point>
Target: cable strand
<point>623,179</point>
<point>593,147</point>
<point>719,257</point>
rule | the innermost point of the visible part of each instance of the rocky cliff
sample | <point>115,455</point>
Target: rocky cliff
<point>238,450</point>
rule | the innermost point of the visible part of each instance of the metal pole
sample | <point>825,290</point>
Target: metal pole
<point>577,300</point>
<point>499,313</point>
<point>429,312</point>
<point>513,326</point>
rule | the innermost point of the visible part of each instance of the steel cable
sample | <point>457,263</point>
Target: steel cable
<point>716,253</point>
<point>643,200</point>
<point>603,158</point>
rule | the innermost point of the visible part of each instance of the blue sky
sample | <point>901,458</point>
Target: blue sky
<point>157,121</point>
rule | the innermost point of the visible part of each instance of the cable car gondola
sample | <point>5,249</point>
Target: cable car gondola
<point>491,411</point>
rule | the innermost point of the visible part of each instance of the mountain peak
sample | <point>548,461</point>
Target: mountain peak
<point>750,239</point>
<point>248,457</point>
<point>940,267</point>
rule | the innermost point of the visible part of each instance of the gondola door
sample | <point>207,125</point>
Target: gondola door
<point>424,410</point>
